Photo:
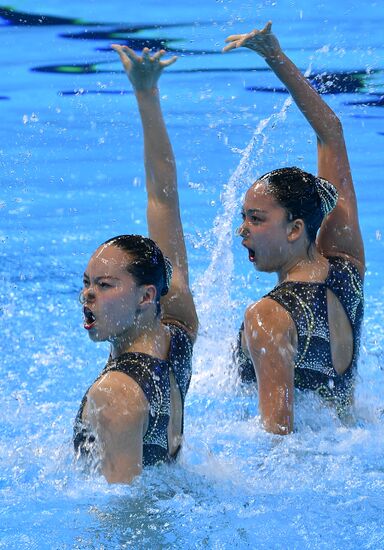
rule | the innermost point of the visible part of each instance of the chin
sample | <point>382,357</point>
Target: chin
<point>263,268</point>
<point>257,266</point>
<point>95,336</point>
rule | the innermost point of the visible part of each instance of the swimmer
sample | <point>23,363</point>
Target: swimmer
<point>132,415</point>
<point>305,333</point>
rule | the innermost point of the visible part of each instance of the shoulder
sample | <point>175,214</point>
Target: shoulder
<point>344,262</point>
<point>267,323</point>
<point>179,332</point>
<point>267,313</point>
<point>270,339</point>
<point>116,398</point>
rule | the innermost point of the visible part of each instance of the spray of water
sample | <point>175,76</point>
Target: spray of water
<point>213,291</point>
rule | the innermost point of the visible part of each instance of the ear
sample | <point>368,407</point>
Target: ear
<point>295,230</point>
<point>148,296</point>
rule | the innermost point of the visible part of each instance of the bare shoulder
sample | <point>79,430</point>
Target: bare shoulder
<point>117,398</point>
<point>266,316</point>
<point>270,337</point>
<point>179,308</point>
<point>191,332</point>
<point>358,264</point>
<point>268,327</point>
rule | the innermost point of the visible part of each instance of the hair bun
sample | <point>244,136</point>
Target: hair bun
<point>328,195</point>
<point>168,270</point>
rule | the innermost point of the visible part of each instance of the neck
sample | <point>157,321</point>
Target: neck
<point>309,265</point>
<point>143,337</point>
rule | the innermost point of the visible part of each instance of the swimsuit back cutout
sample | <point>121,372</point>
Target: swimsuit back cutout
<point>306,302</point>
<point>152,375</point>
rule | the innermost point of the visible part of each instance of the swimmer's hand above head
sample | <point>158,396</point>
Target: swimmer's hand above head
<point>263,42</point>
<point>143,70</point>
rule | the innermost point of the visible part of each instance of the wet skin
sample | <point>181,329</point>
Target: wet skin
<point>111,296</point>
<point>264,230</point>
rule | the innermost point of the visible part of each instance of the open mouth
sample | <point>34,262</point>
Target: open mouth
<point>251,255</point>
<point>89,318</point>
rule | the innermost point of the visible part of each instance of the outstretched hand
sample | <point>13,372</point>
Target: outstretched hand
<point>143,71</point>
<point>263,42</point>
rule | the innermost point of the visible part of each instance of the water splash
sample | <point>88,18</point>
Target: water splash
<point>213,291</point>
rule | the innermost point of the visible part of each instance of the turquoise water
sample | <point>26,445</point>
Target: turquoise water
<point>72,176</point>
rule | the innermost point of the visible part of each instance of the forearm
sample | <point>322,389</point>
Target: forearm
<point>322,119</point>
<point>319,115</point>
<point>276,402</point>
<point>159,159</point>
<point>163,212</point>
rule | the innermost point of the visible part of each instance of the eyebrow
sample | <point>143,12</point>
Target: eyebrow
<point>253,210</point>
<point>108,277</point>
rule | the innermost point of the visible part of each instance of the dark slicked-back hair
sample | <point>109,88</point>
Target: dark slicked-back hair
<point>303,195</point>
<point>147,264</point>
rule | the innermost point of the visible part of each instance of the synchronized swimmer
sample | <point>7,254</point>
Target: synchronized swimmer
<point>136,296</point>
<point>303,334</point>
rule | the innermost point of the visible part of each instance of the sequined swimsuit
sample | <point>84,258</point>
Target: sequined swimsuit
<point>306,302</point>
<point>152,375</point>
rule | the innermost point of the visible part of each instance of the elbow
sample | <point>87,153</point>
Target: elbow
<point>193,328</point>
<point>333,130</point>
<point>125,476</point>
<point>278,428</point>
<point>279,422</point>
<point>337,127</point>
<point>328,127</point>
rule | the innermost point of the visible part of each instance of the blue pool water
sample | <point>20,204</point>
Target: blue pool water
<point>72,176</point>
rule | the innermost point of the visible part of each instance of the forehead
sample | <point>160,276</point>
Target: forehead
<point>260,197</point>
<point>108,260</point>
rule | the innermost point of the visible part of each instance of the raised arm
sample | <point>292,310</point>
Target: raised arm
<point>340,233</point>
<point>163,213</point>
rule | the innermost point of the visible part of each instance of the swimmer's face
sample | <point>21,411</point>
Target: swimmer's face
<point>110,294</point>
<point>264,229</point>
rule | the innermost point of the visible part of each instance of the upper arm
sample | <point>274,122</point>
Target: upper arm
<point>117,411</point>
<point>269,334</point>
<point>165,228</point>
<point>340,233</point>
<point>163,212</point>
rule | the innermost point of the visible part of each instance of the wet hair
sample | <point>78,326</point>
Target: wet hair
<point>147,264</point>
<point>303,195</point>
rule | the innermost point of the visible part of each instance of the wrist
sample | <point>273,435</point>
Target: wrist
<point>276,58</point>
<point>147,94</point>
<point>274,55</point>
<point>152,91</point>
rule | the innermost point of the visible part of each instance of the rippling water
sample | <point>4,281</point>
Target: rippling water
<point>71,162</point>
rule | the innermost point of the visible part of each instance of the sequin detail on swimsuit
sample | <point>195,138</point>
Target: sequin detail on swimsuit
<point>152,375</point>
<point>307,305</point>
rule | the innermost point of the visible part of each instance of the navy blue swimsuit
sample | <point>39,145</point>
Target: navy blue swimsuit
<point>306,302</point>
<point>152,375</point>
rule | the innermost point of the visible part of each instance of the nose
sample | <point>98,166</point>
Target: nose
<point>86,295</point>
<point>241,231</point>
